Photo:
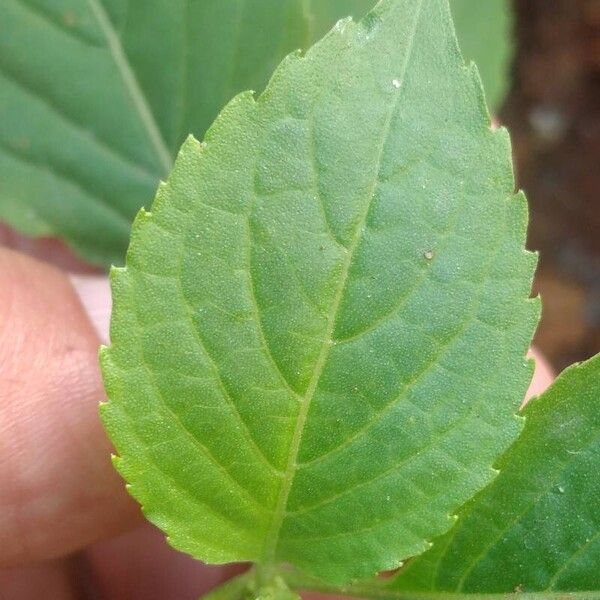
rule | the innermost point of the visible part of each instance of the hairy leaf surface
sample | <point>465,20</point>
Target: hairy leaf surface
<point>96,97</point>
<point>537,527</point>
<point>319,337</point>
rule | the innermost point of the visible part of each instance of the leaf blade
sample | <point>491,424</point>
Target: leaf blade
<point>543,506</point>
<point>131,84</point>
<point>91,106</point>
<point>83,103</point>
<point>255,258</point>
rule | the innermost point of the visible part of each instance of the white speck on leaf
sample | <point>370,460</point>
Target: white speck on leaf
<point>428,255</point>
<point>396,84</point>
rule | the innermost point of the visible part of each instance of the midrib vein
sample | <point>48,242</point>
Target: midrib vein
<point>131,84</point>
<point>271,542</point>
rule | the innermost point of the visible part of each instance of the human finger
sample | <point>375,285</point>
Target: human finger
<point>58,489</point>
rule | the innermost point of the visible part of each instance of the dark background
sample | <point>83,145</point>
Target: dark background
<point>553,113</point>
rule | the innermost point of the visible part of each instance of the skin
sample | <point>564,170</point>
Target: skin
<point>68,530</point>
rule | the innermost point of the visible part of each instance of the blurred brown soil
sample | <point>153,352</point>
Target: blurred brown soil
<point>553,113</point>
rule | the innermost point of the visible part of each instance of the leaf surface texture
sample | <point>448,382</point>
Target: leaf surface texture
<point>96,97</point>
<point>319,337</point>
<point>537,527</point>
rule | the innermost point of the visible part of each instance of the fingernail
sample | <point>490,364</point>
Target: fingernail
<point>94,294</point>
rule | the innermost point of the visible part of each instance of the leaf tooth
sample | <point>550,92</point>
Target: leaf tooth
<point>115,272</point>
<point>104,357</point>
<point>140,224</point>
<point>341,26</point>
<point>120,292</point>
<point>501,147</point>
<point>537,300</point>
<point>470,69</point>
<point>237,109</point>
<point>519,416</point>
<point>162,196</point>
<point>140,221</point>
<point>477,87</point>
<point>191,142</point>
<point>289,62</point>
<point>118,283</point>
<point>106,363</point>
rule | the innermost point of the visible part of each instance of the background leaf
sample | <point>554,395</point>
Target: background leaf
<point>485,32</point>
<point>319,338</point>
<point>537,527</point>
<point>96,97</point>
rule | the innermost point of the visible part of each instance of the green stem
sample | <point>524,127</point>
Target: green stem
<point>251,586</point>
<point>235,589</point>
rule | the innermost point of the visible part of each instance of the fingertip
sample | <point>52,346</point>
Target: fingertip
<point>158,571</point>
<point>52,579</point>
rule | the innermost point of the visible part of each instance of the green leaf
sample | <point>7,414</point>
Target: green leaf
<point>485,33</point>
<point>379,588</point>
<point>376,590</point>
<point>321,13</point>
<point>318,341</point>
<point>484,30</point>
<point>96,97</point>
<point>537,528</point>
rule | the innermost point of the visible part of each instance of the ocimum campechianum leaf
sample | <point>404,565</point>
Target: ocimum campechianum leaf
<point>535,531</point>
<point>318,339</point>
<point>537,527</point>
<point>96,96</point>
